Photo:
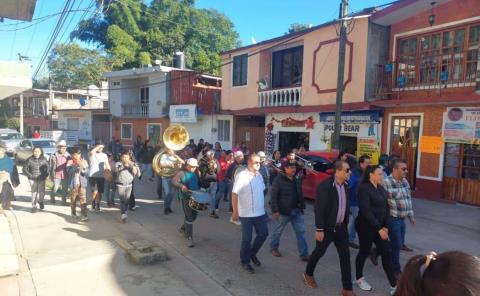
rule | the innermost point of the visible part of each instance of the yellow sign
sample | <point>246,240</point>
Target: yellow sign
<point>368,146</point>
<point>430,144</point>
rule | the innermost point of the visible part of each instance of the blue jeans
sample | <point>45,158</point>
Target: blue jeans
<point>247,250</point>
<point>212,191</point>
<point>396,233</point>
<point>352,234</point>
<point>222,190</point>
<point>168,190</point>
<point>298,224</point>
<point>109,191</point>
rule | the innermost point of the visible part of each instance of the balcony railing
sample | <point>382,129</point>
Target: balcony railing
<point>280,97</point>
<point>440,71</point>
<point>135,110</point>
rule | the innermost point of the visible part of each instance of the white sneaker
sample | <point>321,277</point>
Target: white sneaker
<point>124,217</point>
<point>392,290</point>
<point>236,222</point>
<point>363,284</point>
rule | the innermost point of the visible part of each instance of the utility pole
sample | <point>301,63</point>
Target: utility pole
<point>341,72</point>
<point>21,113</point>
<point>50,99</point>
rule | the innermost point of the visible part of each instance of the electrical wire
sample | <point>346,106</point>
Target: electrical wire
<point>34,31</point>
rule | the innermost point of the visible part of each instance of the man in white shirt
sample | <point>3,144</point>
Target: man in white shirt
<point>248,205</point>
<point>169,160</point>
<point>98,165</point>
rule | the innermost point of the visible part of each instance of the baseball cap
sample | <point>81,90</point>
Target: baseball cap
<point>238,154</point>
<point>192,162</point>
<point>62,143</point>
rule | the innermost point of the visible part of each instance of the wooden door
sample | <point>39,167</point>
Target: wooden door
<point>404,142</point>
<point>253,136</point>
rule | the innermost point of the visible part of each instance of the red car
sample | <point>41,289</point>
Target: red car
<point>322,162</point>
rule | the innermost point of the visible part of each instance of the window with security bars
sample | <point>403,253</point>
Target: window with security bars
<point>126,131</point>
<point>462,161</point>
<point>144,95</point>
<point>223,131</point>
<point>240,70</point>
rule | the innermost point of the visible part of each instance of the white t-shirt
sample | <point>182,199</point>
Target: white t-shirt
<point>167,160</point>
<point>249,187</point>
<point>97,165</point>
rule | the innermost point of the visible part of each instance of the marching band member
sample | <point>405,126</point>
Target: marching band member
<point>187,180</point>
<point>169,160</point>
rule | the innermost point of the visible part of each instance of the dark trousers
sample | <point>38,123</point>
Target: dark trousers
<point>190,216</point>
<point>366,236</point>
<point>131,200</point>
<point>159,187</point>
<point>339,237</point>
<point>247,249</point>
<point>124,194</point>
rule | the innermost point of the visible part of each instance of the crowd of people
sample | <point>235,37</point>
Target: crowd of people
<point>358,202</point>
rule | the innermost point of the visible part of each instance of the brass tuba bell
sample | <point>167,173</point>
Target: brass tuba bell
<point>175,138</point>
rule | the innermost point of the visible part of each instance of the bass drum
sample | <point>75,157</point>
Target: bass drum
<point>199,200</point>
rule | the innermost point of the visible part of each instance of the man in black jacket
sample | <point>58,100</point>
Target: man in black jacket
<point>331,220</point>
<point>287,203</point>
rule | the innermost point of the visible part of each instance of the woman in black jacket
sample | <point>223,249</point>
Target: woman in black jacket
<point>36,169</point>
<point>371,225</point>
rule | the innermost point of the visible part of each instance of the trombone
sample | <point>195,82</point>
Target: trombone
<point>306,163</point>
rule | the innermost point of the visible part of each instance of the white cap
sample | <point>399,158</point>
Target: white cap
<point>62,143</point>
<point>192,162</point>
<point>238,154</point>
<point>261,154</point>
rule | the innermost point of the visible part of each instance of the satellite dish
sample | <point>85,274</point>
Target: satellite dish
<point>263,83</point>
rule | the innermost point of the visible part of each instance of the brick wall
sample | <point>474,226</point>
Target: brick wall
<point>139,128</point>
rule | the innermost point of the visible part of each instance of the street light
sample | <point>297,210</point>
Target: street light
<point>431,17</point>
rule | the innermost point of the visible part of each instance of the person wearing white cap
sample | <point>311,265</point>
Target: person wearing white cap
<point>187,180</point>
<point>236,167</point>
<point>58,172</point>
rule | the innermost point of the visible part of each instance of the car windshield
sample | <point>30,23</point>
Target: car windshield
<point>11,136</point>
<point>44,144</point>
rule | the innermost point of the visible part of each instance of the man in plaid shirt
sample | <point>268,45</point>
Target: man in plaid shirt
<point>400,204</point>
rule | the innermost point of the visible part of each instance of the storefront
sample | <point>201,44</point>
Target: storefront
<point>461,134</point>
<point>360,132</point>
<point>287,131</point>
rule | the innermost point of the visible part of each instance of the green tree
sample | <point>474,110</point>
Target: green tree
<point>134,33</point>
<point>72,66</point>
<point>296,27</point>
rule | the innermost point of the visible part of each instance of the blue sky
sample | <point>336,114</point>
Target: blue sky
<point>260,19</point>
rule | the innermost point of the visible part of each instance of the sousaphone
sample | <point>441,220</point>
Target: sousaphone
<point>175,138</point>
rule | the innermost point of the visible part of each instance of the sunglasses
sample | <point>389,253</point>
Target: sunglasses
<point>347,170</point>
<point>256,162</point>
<point>404,169</point>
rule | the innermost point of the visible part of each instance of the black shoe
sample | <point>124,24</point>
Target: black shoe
<point>41,205</point>
<point>353,245</point>
<point>256,261</point>
<point>405,248</point>
<point>248,268</point>
<point>167,211</point>
<point>213,215</point>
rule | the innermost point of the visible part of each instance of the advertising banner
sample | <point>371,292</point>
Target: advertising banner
<point>368,146</point>
<point>183,113</point>
<point>462,125</point>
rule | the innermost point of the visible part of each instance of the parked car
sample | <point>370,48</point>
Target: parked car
<point>25,148</point>
<point>322,162</point>
<point>10,138</point>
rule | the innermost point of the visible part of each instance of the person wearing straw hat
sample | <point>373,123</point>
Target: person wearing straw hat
<point>58,171</point>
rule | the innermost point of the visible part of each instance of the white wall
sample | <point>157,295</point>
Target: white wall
<point>85,123</point>
<point>202,129</point>
<point>159,90</point>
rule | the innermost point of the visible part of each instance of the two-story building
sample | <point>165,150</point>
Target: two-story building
<point>428,89</point>
<point>282,91</point>
<point>144,101</point>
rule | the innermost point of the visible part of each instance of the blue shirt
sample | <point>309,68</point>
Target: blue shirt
<point>353,184</point>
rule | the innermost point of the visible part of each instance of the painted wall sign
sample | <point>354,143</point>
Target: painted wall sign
<point>462,125</point>
<point>346,128</point>
<point>352,117</point>
<point>183,113</point>
<point>430,144</point>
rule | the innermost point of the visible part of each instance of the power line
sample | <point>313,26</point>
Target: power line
<point>56,31</point>
<point>42,18</point>
<point>34,31</point>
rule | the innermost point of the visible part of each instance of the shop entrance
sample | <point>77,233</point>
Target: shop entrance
<point>290,140</point>
<point>404,142</point>
<point>348,143</point>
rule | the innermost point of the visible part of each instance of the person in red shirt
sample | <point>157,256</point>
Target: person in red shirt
<point>36,134</point>
<point>222,183</point>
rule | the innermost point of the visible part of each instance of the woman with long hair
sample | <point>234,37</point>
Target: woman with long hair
<point>452,273</point>
<point>36,169</point>
<point>371,225</point>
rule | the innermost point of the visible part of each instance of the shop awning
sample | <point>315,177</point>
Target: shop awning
<point>353,116</point>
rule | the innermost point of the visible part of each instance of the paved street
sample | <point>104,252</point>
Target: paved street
<point>59,256</point>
